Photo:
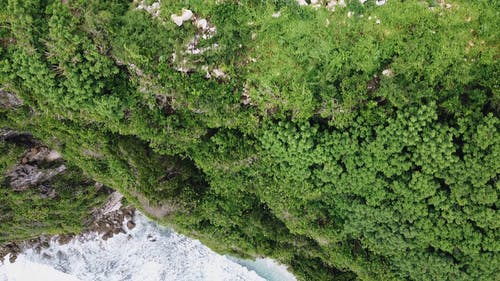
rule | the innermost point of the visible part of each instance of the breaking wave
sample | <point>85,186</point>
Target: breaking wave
<point>148,252</point>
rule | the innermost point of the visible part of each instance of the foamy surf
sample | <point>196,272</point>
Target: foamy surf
<point>148,252</point>
<point>25,270</point>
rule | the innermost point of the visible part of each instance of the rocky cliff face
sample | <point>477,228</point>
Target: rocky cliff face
<point>41,194</point>
<point>112,218</point>
<point>39,176</point>
<point>34,174</point>
<point>36,167</point>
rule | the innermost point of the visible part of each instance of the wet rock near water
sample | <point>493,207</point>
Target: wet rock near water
<point>11,248</point>
<point>130,224</point>
<point>36,168</point>
<point>107,225</point>
<point>112,217</point>
<point>15,248</point>
<point>64,239</point>
<point>111,223</point>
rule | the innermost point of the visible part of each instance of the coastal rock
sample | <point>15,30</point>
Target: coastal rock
<point>107,235</point>
<point>110,219</point>
<point>10,248</point>
<point>64,239</point>
<point>113,204</point>
<point>130,225</point>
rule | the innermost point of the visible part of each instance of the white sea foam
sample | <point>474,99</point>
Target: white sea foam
<point>25,270</point>
<point>147,253</point>
<point>268,269</point>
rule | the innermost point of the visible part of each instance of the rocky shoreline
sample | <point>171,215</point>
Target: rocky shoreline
<point>111,219</point>
<point>35,170</point>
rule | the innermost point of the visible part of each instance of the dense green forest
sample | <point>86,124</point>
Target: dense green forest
<point>347,139</point>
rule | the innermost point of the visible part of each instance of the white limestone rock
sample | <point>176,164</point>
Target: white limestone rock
<point>185,16</point>
<point>302,2</point>
<point>388,72</point>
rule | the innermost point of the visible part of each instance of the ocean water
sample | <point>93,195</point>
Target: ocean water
<point>148,252</point>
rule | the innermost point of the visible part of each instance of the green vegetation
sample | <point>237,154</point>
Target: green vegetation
<point>349,147</point>
<point>27,214</point>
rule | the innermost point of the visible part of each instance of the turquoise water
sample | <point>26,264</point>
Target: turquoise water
<point>148,252</point>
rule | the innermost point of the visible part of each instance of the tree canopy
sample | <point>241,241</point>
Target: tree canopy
<point>359,142</point>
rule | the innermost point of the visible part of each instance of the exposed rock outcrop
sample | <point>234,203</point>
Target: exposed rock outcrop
<point>17,137</point>
<point>24,176</point>
<point>47,191</point>
<point>112,204</point>
<point>184,16</point>
<point>39,154</point>
<point>10,248</point>
<point>111,219</point>
<point>29,172</point>
<point>9,100</point>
